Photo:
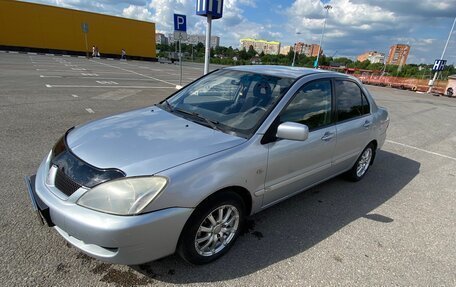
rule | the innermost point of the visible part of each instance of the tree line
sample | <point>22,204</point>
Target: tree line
<point>233,56</point>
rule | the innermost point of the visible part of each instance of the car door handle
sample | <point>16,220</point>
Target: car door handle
<point>367,124</point>
<point>327,136</point>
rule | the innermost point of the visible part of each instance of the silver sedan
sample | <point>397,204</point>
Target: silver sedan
<point>182,175</point>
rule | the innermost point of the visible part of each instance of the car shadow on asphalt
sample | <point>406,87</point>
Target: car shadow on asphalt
<point>295,225</point>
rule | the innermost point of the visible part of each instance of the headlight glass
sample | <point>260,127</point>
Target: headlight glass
<point>126,196</point>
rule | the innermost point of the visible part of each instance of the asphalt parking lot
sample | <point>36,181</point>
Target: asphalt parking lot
<point>395,227</point>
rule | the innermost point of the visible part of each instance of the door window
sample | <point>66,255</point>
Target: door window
<point>311,105</point>
<point>351,102</point>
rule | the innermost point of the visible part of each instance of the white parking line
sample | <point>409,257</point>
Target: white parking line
<point>117,94</point>
<point>43,76</point>
<point>90,111</point>
<point>121,79</point>
<point>99,72</point>
<point>107,83</point>
<point>133,72</point>
<point>116,87</point>
<point>420,149</point>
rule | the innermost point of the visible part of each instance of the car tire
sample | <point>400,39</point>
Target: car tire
<point>212,229</point>
<point>362,164</point>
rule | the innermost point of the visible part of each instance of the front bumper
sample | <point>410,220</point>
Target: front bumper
<point>111,238</point>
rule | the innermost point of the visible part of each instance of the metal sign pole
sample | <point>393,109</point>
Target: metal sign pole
<point>327,7</point>
<point>431,83</point>
<point>211,9</point>
<point>85,30</point>
<point>180,33</point>
<point>180,62</point>
<point>208,44</point>
<point>87,46</point>
<point>294,56</point>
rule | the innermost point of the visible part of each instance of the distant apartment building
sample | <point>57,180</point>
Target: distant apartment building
<point>267,47</point>
<point>161,39</point>
<point>285,50</point>
<point>398,54</point>
<point>372,56</point>
<point>310,50</point>
<point>195,39</point>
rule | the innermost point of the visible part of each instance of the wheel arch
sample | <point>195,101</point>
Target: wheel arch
<point>242,192</point>
<point>375,144</point>
<point>239,190</point>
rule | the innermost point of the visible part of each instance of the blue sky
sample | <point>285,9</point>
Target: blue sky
<point>353,26</point>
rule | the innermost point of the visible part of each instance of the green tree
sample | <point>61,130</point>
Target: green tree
<point>243,55</point>
<point>251,52</point>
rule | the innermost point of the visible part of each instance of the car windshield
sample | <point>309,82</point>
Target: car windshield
<point>234,102</point>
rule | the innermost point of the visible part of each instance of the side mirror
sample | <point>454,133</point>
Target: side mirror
<point>292,131</point>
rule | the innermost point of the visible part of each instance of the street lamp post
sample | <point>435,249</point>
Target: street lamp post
<point>294,48</point>
<point>431,83</point>
<point>327,7</point>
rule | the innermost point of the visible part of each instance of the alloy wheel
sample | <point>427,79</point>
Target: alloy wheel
<point>217,230</point>
<point>364,162</point>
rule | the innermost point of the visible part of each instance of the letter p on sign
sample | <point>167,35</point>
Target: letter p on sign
<point>180,23</point>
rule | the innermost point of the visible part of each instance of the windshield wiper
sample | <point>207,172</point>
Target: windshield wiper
<point>212,124</point>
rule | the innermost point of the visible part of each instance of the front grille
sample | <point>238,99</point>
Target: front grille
<point>65,184</point>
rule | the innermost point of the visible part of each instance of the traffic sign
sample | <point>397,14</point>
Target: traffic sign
<point>85,28</point>
<point>439,65</point>
<point>180,36</point>
<point>180,22</point>
<point>214,8</point>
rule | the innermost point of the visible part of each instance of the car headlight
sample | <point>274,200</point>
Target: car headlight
<point>127,196</point>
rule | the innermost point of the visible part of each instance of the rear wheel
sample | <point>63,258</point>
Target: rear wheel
<point>212,229</point>
<point>362,164</point>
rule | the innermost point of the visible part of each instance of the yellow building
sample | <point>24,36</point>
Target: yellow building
<point>267,47</point>
<point>36,27</point>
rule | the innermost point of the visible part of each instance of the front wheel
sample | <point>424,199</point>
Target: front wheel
<point>362,164</point>
<point>212,229</point>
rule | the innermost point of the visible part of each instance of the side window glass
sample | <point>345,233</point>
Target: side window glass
<point>349,101</point>
<point>310,106</point>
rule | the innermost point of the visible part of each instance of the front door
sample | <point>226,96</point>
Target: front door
<point>295,165</point>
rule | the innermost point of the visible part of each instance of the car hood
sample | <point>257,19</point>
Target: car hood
<point>145,141</point>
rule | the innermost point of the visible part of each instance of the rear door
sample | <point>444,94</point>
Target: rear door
<point>354,122</point>
<point>295,165</point>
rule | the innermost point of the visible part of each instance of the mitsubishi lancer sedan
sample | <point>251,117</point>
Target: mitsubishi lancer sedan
<point>182,175</point>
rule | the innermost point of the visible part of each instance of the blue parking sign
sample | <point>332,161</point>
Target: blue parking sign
<point>180,22</point>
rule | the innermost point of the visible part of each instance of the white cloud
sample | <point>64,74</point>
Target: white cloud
<point>353,26</point>
<point>137,12</point>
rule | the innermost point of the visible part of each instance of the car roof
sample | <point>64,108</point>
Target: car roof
<point>278,71</point>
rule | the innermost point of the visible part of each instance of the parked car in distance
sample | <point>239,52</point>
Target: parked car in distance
<point>182,175</point>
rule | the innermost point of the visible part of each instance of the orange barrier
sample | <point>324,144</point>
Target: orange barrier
<point>412,84</point>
